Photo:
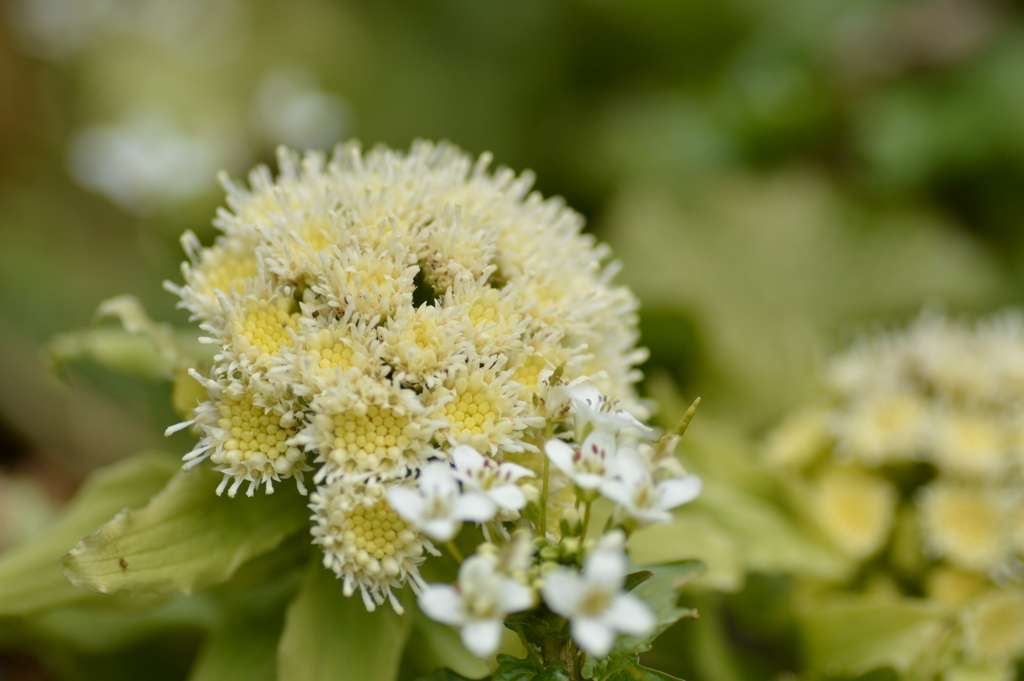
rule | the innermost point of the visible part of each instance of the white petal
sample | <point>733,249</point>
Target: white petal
<point>482,637</point>
<point>587,480</point>
<point>514,597</point>
<point>678,491</point>
<point>630,467</point>
<point>467,459</point>
<point>560,454</point>
<point>509,497</point>
<point>514,471</point>
<point>630,614</point>
<point>562,591</point>
<point>474,506</point>
<point>617,491</point>
<point>441,529</point>
<point>438,478</point>
<point>441,603</point>
<point>606,567</point>
<point>593,635</point>
<point>407,502</point>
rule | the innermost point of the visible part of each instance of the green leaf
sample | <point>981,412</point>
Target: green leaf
<point>629,669</point>
<point>433,645</point>
<point>244,647</point>
<point>445,675</point>
<point>328,636</point>
<point>661,593</point>
<point>91,629</point>
<point>514,669</point>
<point>855,634</point>
<point>30,575</point>
<point>184,539</point>
<point>637,578</point>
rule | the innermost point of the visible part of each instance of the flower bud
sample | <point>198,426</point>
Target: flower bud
<point>570,523</point>
<point>570,549</point>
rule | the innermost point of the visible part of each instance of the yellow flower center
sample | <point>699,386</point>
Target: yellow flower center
<point>470,413</point>
<point>265,325</point>
<point>338,355</point>
<point>254,432</point>
<point>375,529</point>
<point>229,271</point>
<point>375,438</point>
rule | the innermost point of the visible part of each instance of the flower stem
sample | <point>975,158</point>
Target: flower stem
<point>454,550</point>
<point>544,489</point>
<point>586,520</point>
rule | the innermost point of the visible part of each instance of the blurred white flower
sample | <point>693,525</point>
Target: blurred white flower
<point>644,499</point>
<point>143,161</point>
<point>436,506</point>
<point>479,604</point>
<point>290,109</point>
<point>594,601</point>
<point>490,479</point>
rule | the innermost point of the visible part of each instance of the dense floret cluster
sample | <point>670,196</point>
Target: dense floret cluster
<point>375,312</point>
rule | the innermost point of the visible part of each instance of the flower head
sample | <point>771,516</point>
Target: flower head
<point>645,499</point>
<point>365,542</point>
<point>588,465</point>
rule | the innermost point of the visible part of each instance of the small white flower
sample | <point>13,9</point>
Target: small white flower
<point>436,507</point>
<point>490,479</point>
<point>593,410</point>
<point>593,600</point>
<point>644,499</point>
<point>479,604</point>
<point>590,464</point>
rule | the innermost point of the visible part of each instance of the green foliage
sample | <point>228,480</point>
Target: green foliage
<point>330,636</point>
<point>433,645</point>
<point>30,576</point>
<point>185,538</point>
<point>630,669</point>
<point>661,592</point>
<point>530,669</point>
<point>855,634</point>
<point>736,531</point>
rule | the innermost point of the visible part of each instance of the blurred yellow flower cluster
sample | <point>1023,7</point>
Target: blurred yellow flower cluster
<point>913,468</point>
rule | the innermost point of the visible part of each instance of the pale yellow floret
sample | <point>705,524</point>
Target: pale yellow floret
<point>366,427</point>
<point>994,626</point>
<point>245,440</point>
<point>261,327</point>
<point>970,444</point>
<point>371,284</point>
<point>376,439</point>
<point>365,542</point>
<point>482,409</point>
<point>855,509</point>
<point>798,440</point>
<point>224,268</point>
<point>962,524</point>
<point>421,344</point>
<point>883,427</point>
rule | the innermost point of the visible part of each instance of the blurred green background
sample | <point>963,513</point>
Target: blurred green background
<point>775,176</point>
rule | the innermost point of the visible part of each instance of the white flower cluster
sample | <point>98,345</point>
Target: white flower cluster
<point>381,316</point>
<point>918,457</point>
<point>645,482</point>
